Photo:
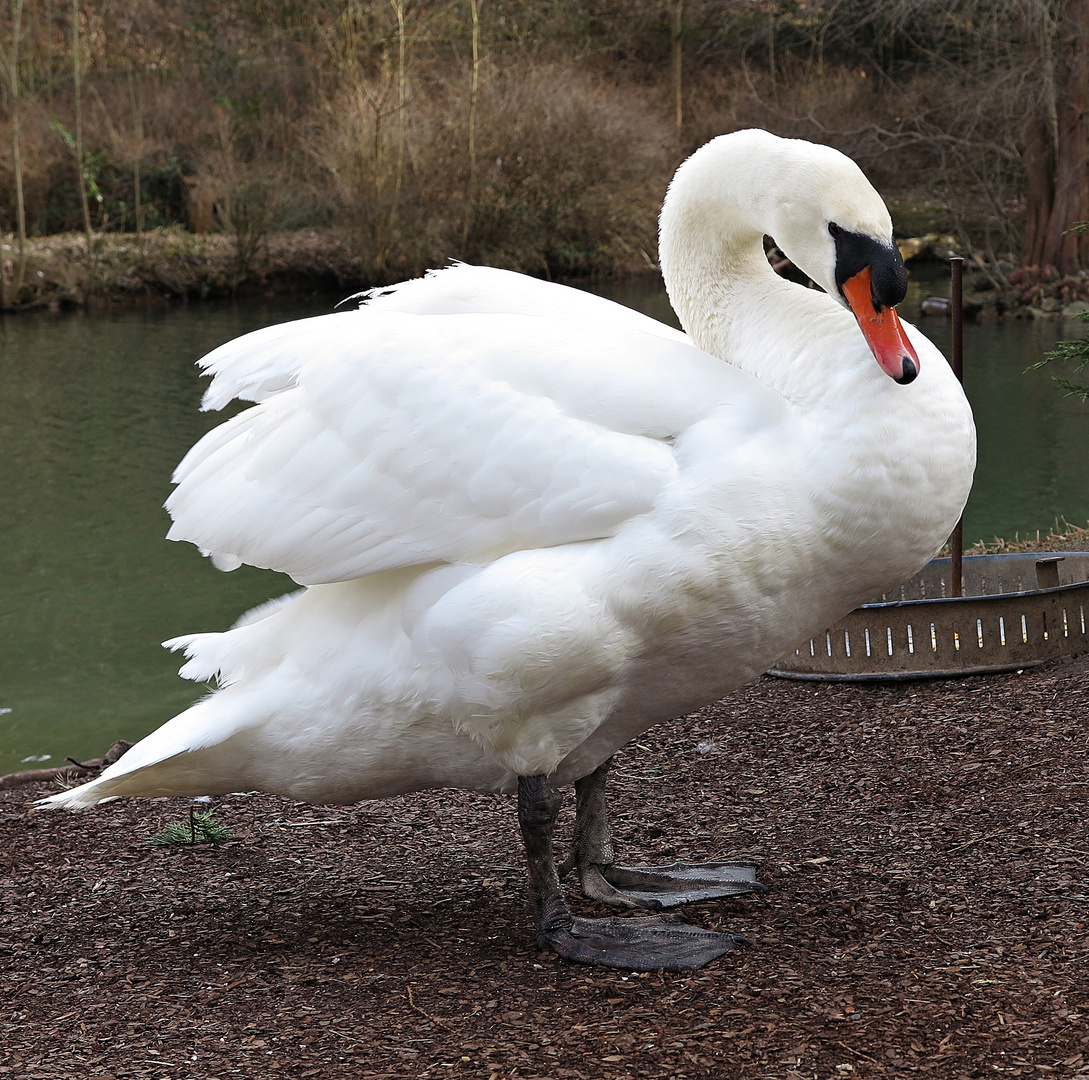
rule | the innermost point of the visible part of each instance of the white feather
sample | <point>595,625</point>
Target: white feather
<point>408,438</point>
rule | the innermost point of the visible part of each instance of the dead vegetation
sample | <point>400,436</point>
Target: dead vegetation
<point>76,771</point>
<point>534,136</point>
<point>1063,536</point>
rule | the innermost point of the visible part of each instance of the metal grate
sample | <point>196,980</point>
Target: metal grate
<point>1017,611</point>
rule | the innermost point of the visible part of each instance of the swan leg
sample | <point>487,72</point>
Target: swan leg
<point>646,944</point>
<point>652,887</point>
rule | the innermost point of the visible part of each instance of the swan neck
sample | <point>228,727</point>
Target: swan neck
<point>721,204</point>
<point>714,291</point>
<point>711,247</point>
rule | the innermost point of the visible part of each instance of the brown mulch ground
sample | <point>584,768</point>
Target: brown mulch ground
<point>925,845</point>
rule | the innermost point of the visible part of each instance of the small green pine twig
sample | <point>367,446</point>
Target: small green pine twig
<point>200,827</point>
<point>1076,352</point>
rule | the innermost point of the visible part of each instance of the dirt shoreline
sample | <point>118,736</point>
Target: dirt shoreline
<point>126,270</point>
<point>171,263</point>
<point>924,844</point>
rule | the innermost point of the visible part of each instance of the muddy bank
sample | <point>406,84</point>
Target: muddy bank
<point>171,263</point>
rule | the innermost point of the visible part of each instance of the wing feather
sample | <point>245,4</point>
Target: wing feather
<point>388,438</point>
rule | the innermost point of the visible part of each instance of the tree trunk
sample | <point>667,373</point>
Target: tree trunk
<point>11,64</point>
<point>77,86</point>
<point>677,63</point>
<point>474,95</point>
<point>137,154</point>
<point>1056,157</point>
<point>399,169</point>
<point>1071,204</point>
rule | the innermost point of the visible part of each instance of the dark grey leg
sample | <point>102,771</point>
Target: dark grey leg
<point>593,830</point>
<point>646,944</point>
<point>538,805</point>
<point>653,887</point>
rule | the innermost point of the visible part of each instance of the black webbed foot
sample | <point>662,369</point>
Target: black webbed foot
<point>657,888</point>
<point>647,944</point>
<point>654,888</point>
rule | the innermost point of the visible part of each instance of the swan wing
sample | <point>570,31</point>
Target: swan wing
<point>271,359</point>
<point>464,289</point>
<point>387,438</point>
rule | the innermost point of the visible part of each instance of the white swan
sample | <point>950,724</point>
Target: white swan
<point>532,523</point>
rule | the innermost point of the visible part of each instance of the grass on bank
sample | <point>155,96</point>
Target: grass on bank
<point>1063,536</point>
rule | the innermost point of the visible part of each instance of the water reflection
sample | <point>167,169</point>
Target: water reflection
<point>95,412</point>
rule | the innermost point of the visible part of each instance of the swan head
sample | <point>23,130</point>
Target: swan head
<point>820,209</point>
<point>871,279</point>
<point>832,224</point>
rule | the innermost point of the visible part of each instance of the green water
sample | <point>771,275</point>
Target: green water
<point>96,410</point>
<point>1033,460</point>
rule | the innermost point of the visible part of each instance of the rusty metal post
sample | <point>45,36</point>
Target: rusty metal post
<point>956,304</point>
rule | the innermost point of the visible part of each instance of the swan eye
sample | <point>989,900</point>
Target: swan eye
<point>834,229</point>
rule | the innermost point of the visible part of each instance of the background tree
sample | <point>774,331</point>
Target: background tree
<point>388,121</point>
<point>13,84</point>
<point>1056,152</point>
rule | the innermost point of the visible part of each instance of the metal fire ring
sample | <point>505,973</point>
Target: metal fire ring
<point>1018,611</point>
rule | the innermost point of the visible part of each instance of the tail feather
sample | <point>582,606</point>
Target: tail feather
<point>184,757</point>
<point>100,790</point>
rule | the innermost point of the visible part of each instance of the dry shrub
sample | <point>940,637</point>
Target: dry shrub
<point>112,141</point>
<point>569,172</point>
<point>841,106</point>
<point>942,140</point>
<point>573,172</point>
<point>48,173</point>
<point>252,188</point>
<point>353,139</point>
<point>175,129</point>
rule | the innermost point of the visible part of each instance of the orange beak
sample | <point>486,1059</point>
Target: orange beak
<point>882,330</point>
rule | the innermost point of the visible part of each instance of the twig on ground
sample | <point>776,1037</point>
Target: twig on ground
<point>78,770</point>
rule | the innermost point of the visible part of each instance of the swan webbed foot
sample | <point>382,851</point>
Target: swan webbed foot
<point>656,888</point>
<point>645,944</point>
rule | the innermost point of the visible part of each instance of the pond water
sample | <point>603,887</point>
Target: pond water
<point>96,410</point>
